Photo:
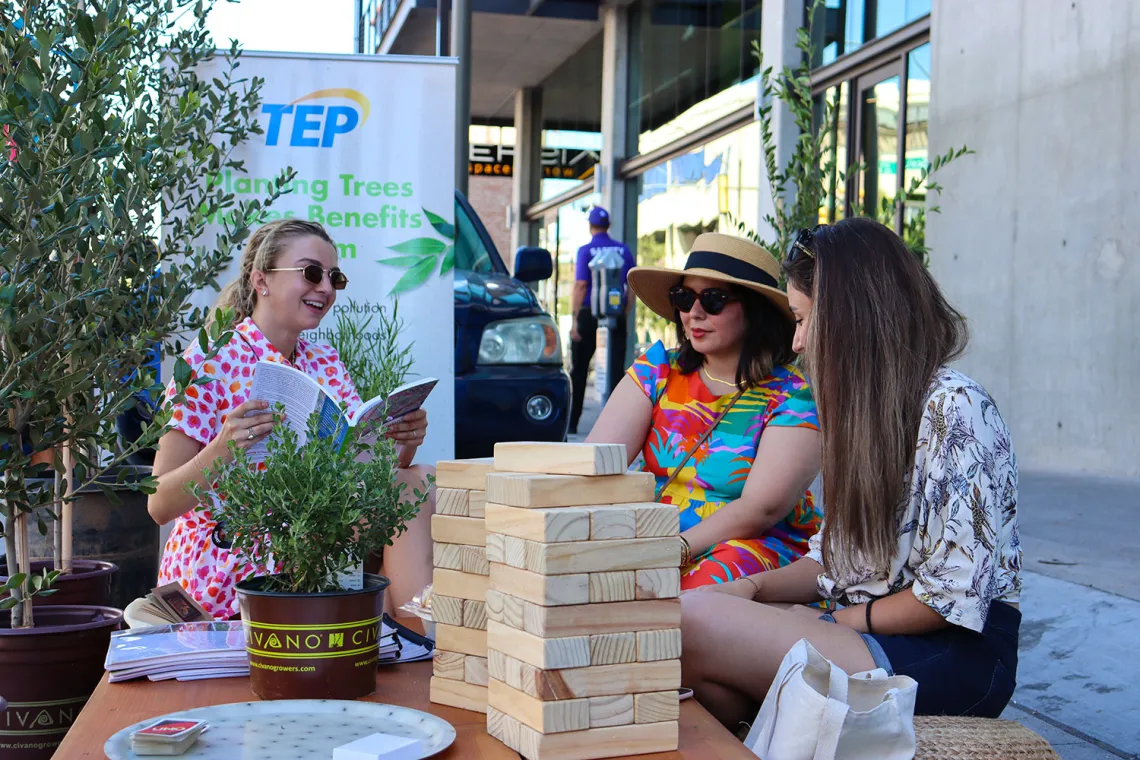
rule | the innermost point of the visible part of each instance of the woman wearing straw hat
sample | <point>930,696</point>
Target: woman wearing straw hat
<point>724,421</point>
<point>920,545</point>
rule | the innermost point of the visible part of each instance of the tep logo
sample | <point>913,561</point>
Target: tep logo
<point>314,125</point>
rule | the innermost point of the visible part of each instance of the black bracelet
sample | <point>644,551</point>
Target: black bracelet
<point>869,628</point>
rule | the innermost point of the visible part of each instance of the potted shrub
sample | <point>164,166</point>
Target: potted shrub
<point>312,516</point>
<point>108,128</point>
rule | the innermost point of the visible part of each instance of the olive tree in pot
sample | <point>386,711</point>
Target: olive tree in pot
<point>108,129</point>
<point>310,517</point>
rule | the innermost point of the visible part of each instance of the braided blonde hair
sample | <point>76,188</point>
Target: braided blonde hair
<point>261,253</point>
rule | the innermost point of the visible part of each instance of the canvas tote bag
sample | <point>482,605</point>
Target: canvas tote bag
<point>815,711</point>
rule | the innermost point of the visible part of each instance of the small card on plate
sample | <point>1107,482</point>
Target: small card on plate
<point>169,730</point>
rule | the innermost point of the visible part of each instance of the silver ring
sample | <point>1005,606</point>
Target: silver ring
<point>250,436</point>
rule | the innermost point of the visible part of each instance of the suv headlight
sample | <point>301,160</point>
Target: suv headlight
<point>530,340</point>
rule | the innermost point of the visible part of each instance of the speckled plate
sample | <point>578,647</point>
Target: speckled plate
<point>293,728</point>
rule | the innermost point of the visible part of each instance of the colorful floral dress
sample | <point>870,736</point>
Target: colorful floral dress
<point>190,557</point>
<point>683,407</point>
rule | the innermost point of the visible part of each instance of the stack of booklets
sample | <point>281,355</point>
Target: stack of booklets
<point>216,649</point>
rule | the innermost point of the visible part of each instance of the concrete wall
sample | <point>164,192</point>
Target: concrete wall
<point>1038,240</point>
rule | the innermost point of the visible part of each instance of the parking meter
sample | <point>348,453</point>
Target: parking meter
<point>607,300</point>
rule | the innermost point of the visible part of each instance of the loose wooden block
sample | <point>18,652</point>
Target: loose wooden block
<point>466,696</point>
<point>568,652</point>
<point>612,522</point>
<point>462,585</point>
<point>612,587</point>
<point>547,717</point>
<point>587,619</point>
<point>514,551</point>
<point>660,583</point>
<point>593,556</point>
<point>612,711</point>
<point>473,559</point>
<point>561,458</point>
<point>448,665</point>
<point>656,707</point>
<point>476,503</point>
<point>467,474</point>
<point>475,670</point>
<point>521,490</point>
<point>446,609</point>
<point>475,614</point>
<point>451,501</point>
<point>453,638</point>
<point>658,645</point>
<point>655,520</point>
<point>447,556</point>
<point>591,744</point>
<point>450,529</point>
<point>613,648</point>
<point>496,549</point>
<point>546,590</point>
<point>608,680</point>
<point>546,525</point>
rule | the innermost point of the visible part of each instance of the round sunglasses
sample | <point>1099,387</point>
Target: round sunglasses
<point>713,300</point>
<point>314,273</point>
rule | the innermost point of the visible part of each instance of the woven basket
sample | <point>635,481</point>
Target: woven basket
<point>943,738</point>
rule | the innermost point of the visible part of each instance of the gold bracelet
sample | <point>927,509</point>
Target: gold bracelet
<point>686,552</point>
<point>754,585</point>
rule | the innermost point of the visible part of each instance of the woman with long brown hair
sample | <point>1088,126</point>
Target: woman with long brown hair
<point>919,545</point>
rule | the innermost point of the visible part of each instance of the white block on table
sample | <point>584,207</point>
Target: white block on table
<point>380,747</point>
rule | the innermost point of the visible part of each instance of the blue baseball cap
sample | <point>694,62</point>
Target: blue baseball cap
<point>599,217</point>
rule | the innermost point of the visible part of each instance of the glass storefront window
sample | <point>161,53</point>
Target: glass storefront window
<point>879,149</point>
<point>853,23</point>
<point>917,151</point>
<point>692,62</point>
<point>707,190</point>
<point>833,106</point>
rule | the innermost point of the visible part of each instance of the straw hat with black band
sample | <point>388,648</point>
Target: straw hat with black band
<point>714,256</point>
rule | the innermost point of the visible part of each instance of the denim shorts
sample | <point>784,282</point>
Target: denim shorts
<point>959,671</point>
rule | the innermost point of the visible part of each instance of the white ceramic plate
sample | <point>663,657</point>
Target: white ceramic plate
<point>293,728</point>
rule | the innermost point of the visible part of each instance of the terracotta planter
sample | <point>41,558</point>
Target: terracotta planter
<point>88,583</point>
<point>312,646</point>
<point>47,673</point>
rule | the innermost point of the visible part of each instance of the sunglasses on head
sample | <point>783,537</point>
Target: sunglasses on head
<point>314,273</point>
<point>713,300</point>
<point>800,246</point>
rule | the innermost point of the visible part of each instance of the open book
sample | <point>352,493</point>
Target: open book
<point>301,395</point>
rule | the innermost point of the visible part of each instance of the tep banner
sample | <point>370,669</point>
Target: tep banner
<point>370,140</point>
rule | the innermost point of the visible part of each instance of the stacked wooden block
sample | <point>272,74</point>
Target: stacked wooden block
<point>583,614</point>
<point>459,585</point>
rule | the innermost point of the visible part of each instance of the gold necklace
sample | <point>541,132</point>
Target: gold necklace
<point>711,376</point>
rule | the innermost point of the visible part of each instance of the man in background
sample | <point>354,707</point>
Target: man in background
<point>584,330</point>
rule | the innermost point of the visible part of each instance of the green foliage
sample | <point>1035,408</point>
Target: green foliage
<point>114,130</point>
<point>373,356</point>
<point>423,255</point>
<point>811,175</point>
<point>318,509</point>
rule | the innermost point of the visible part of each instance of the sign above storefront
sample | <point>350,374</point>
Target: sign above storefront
<point>557,163</point>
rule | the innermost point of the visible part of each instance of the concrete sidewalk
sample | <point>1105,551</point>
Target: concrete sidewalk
<point>1078,674</point>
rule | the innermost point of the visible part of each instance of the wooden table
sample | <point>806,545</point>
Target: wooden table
<point>115,706</point>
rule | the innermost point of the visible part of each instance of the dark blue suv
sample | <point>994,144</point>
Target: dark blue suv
<point>509,380</point>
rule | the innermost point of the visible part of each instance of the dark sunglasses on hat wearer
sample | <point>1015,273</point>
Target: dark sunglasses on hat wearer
<point>314,273</point>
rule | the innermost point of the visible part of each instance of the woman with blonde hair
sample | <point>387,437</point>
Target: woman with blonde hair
<point>288,283</point>
<point>725,421</point>
<point>919,543</point>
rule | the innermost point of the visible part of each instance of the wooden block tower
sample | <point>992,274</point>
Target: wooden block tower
<point>459,585</point>
<point>583,614</point>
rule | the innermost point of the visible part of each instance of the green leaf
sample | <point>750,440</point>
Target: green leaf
<point>9,603</point>
<point>448,261</point>
<point>401,261</point>
<point>14,582</point>
<point>414,277</point>
<point>441,225</point>
<point>182,372</point>
<point>420,247</point>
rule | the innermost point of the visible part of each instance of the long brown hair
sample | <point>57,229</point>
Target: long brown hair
<point>261,253</point>
<point>880,329</point>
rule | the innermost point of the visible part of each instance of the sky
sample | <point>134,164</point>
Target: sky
<point>307,26</point>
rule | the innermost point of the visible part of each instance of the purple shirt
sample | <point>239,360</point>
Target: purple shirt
<point>586,254</point>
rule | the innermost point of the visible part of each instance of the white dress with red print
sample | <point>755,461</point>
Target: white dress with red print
<point>191,558</point>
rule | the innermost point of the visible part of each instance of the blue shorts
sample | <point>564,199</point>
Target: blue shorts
<point>959,671</point>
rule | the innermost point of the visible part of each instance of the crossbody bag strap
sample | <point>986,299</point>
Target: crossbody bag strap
<point>688,455</point>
